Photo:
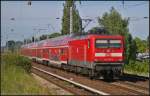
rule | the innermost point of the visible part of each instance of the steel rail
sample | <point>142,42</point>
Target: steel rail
<point>134,89</point>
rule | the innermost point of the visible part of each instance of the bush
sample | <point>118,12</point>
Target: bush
<point>137,67</point>
<point>24,62</point>
<point>17,60</point>
<point>15,80</point>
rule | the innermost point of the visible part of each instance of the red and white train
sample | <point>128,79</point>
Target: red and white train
<point>95,55</point>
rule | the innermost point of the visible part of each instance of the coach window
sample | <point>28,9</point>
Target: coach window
<point>47,51</point>
<point>44,50</point>
<point>41,52</point>
<point>62,51</point>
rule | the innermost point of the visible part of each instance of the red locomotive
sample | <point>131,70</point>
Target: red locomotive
<point>95,55</point>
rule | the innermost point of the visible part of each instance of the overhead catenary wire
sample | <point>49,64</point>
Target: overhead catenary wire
<point>138,4</point>
<point>123,3</point>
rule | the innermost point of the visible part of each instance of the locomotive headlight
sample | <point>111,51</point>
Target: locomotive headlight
<point>116,54</point>
<point>100,54</point>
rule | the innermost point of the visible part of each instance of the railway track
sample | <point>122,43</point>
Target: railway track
<point>133,82</point>
<point>82,88</point>
<point>85,86</point>
<point>131,87</point>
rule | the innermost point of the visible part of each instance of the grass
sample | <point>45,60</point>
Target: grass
<point>15,79</point>
<point>137,67</point>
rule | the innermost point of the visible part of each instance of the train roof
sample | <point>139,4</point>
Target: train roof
<point>63,40</point>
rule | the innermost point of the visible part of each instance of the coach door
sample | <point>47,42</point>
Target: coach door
<point>49,54</point>
<point>77,54</point>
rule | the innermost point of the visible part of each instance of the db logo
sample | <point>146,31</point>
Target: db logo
<point>108,50</point>
<point>107,54</point>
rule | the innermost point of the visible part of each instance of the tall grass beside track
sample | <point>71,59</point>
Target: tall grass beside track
<point>137,67</point>
<point>15,77</point>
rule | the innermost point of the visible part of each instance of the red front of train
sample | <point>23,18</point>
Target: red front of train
<point>100,54</point>
<point>109,55</point>
<point>96,55</point>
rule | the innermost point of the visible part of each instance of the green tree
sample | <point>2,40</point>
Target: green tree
<point>116,25</point>
<point>43,37</point>
<point>133,50</point>
<point>53,35</point>
<point>18,44</point>
<point>128,47</point>
<point>98,30</point>
<point>36,39</point>
<point>113,22</point>
<point>11,45</point>
<point>77,22</point>
<point>148,40</point>
<point>141,45</point>
<point>25,41</point>
<point>33,38</point>
<point>29,40</point>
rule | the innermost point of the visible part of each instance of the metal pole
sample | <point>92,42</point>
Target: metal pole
<point>47,36</point>
<point>71,20</point>
<point>7,43</point>
<point>39,35</point>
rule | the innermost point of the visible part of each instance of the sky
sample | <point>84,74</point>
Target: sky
<point>40,17</point>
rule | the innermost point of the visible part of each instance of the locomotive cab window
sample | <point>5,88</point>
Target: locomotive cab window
<point>108,43</point>
<point>115,43</point>
<point>101,44</point>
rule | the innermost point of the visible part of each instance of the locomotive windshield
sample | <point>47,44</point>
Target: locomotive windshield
<point>108,43</point>
<point>115,43</point>
<point>101,44</point>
